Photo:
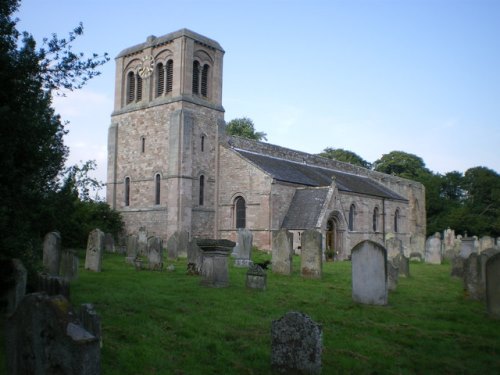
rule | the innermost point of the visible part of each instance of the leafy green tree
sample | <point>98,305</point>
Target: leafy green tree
<point>345,156</point>
<point>244,127</point>
<point>401,164</point>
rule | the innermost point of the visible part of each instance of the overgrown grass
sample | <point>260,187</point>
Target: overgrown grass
<point>166,323</point>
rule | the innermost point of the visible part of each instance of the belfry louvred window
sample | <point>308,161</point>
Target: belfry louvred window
<point>160,79</point>
<point>196,77</point>
<point>204,81</point>
<point>130,87</point>
<point>170,75</point>
<point>139,88</point>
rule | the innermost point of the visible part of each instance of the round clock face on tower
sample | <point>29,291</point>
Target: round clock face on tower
<point>146,66</point>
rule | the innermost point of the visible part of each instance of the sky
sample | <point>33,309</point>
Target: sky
<point>371,77</point>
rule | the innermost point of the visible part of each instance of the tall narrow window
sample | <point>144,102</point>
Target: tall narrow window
<point>143,145</point>
<point>240,212</point>
<point>202,143</point>
<point>351,217</point>
<point>170,75</point>
<point>160,79</point>
<point>204,81</point>
<point>196,77</point>
<point>202,190</point>
<point>130,87</point>
<point>127,191</point>
<point>157,188</point>
<point>139,88</point>
<point>375,219</point>
<point>396,220</point>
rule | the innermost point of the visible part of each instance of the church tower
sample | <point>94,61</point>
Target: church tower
<point>163,136</point>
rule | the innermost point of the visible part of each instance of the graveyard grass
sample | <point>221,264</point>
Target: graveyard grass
<point>166,323</point>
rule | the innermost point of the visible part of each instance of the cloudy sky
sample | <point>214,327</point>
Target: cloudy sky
<point>372,76</point>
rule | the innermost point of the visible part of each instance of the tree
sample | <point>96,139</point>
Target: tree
<point>32,151</point>
<point>244,127</point>
<point>401,164</point>
<point>345,156</point>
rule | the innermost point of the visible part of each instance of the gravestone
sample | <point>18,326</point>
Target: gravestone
<point>296,344</point>
<point>415,257</point>
<point>471,276</point>
<point>486,242</point>
<point>282,252</point>
<point>132,249</point>
<point>95,248</point>
<point>215,269</point>
<point>90,321</point>
<point>403,263</point>
<point>155,253</point>
<point>53,285</point>
<point>417,246</point>
<point>194,258</point>
<point>142,241</point>
<point>448,244</point>
<point>493,285</point>
<point>109,243</point>
<point>44,336</point>
<point>177,245</point>
<point>369,273</point>
<point>483,258</point>
<point>311,256</point>
<point>52,253</point>
<point>17,283</point>
<point>457,266</point>
<point>392,275</point>
<point>69,265</point>
<point>394,247</point>
<point>244,253</point>
<point>467,247</point>
<point>433,249</point>
<point>256,278</point>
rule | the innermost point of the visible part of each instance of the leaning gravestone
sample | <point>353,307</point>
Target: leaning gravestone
<point>17,284</point>
<point>95,248</point>
<point>155,253</point>
<point>471,276</point>
<point>296,344</point>
<point>403,263</point>
<point>433,249</point>
<point>256,278</point>
<point>44,336</point>
<point>142,241</point>
<point>69,265</point>
<point>394,247</point>
<point>132,249</point>
<point>215,269</point>
<point>311,257</point>
<point>369,273</point>
<point>392,275</point>
<point>52,253</point>
<point>244,254</point>
<point>282,252</point>
<point>493,285</point>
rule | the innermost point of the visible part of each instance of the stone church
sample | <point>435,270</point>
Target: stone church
<point>171,167</point>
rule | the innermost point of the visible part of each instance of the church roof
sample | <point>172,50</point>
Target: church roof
<point>305,208</point>
<point>316,176</point>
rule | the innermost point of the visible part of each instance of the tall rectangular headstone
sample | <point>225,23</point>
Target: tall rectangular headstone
<point>109,243</point>
<point>296,344</point>
<point>17,286</point>
<point>155,253</point>
<point>195,258</point>
<point>394,247</point>
<point>467,247</point>
<point>142,241</point>
<point>177,245</point>
<point>403,264</point>
<point>369,273</point>
<point>471,276</point>
<point>244,254</point>
<point>433,249</point>
<point>493,285</point>
<point>132,249</point>
<point>95,248</point>
<point>69,265</point>
<point>392,275</point>
<point>52,253</point>
<point>448,244</point>
<point>311,257</point>
<point>282,252</point>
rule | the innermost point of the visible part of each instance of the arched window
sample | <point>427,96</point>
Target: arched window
<point>240,212</point>
<point>130,87</point>
<point>127,191</point>
<point>204,80</point>
<point>375,219</point>
<point>396,220</point>
<point>196,77</point>
<point>202,190</point>
<point>351,217</point>
<point>139,88</point>
<point>170,75</point>
<point>157,188</point>
<point>160,79</point>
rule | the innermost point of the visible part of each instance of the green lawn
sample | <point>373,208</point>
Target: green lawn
<point>166,323</point>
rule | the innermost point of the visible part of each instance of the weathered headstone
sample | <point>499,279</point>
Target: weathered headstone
<point>282,252</point>
<point>493,285</point>
<point>195,258</point>
<point>215,269</point>
<point>132,249</point>
<point>471,276</point>
<point>296,344</point>
<point>486,242</point>
<point>244,254</point>
<point>403,263</point>
<point>53,285</point>
<point>433,249</point>
<point>142,241</point>
<point>44,336</point>
<point>52,253</point>
<point>90,321</point>
<point>109,243</point>
<point>394,247</point>
<point>69,265</point>
<point>417,246</point>
<point>448,244</point>
<point>155,253</point>
<point>95,248</point>
<point>415,257</point>
<point>177,245</point>
<point>467,247</point>
<point>256,278</point>
<point>17,283</point>
<point>483,258</point>
<point>392,275</point>
<point>457,266</point>
<point>311,257</point>
<point>369,273</point>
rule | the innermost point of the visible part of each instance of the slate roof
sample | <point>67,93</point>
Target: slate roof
<point>315,176</point>
<point>305,208</point>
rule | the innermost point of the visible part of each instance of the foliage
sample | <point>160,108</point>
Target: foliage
<point>244,127</point>
<point>32,152</point>
<point>401,164</point>
<point>345,156</point>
